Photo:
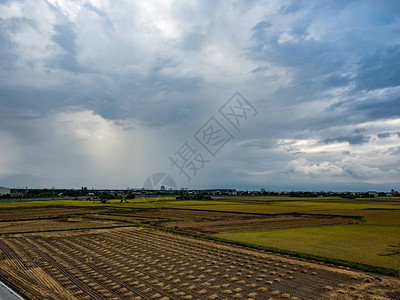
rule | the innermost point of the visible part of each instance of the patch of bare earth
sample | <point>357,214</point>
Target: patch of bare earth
<point>31,213</point>
<point>215,222</point>
<point>123,218</point>
<point>54,224</point>
<point>143,263</point>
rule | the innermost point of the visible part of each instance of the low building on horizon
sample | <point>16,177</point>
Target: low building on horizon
<point>4,190</point>
<point>373,193</point>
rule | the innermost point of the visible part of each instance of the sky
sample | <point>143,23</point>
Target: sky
<point>104,94</point>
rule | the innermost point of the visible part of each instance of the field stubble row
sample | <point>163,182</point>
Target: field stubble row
<point>142,263</point>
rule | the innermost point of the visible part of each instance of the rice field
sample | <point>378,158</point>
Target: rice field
<point>141,263</point>
<point>366,244</point>
<point>132,257</point>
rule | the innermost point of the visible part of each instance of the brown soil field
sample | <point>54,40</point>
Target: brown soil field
<point>142,263</point>
<point>124,217</point>
<point>31,213</point>
<point>207,222</point>
<point>54,224</point>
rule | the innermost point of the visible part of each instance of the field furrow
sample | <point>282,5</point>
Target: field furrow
<point>143,263</point>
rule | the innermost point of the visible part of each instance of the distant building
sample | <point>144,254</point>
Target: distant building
<point>372,193</point>
<point>262,190</point>
<point>163,187</point>
<point>4,191</point>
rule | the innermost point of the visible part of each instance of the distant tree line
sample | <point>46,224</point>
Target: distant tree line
<point>303,194</point>
<point>197,196</point>
<point>362,195</point>
<point>74,193</point>
<point>46,193</point>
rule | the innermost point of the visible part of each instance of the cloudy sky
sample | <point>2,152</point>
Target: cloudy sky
<point>105,93</point>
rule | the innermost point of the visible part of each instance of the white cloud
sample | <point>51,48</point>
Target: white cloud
<point>324,168</point>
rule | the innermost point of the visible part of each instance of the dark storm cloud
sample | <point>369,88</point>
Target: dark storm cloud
<point>65,36</point>
<point>137,99</point>
<point>307,54</point>
<point>380,70</point>
<point>257,144</point>
<point>8,27</point>
<point>373,106</point>
<point>338,60</point>
<point>154,100</point>
<point>352,140</point>
<point>140,99</point>
<point>383,135</point>
<point>33,99</point>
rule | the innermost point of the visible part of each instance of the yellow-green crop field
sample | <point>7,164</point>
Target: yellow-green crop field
<point>150,202</point>
<point>366,244</point>
<point>374,242</point>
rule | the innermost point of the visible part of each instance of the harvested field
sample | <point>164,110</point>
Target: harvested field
<point>32,213</point>
<point>129,215</point>
<point>200,221</point>
<point>142,263</point>
<point>55,224</point>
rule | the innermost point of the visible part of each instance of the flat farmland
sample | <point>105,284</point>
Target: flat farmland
<point>55,224</point>
<point>206,222</point>
<point>275,205</point>
<point>153,249</point>
<point>47,212</point>
<point>144,263</point>
<point>375,242</point>
<point>366,244</point>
